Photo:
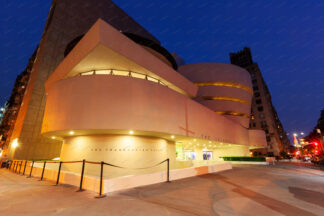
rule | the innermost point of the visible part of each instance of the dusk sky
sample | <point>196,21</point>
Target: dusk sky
<point>286,39</point>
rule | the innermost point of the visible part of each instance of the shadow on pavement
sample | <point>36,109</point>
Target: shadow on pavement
<point>274,204</point>
<point>310,196</point>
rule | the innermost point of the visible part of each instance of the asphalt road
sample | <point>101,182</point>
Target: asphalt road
<point>246,190</point>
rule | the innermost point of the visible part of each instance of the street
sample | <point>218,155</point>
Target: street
<point>246,190</point>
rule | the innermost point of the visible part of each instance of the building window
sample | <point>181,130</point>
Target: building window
<point>260,108</point>
<point>257,94</point>
<point>258,101</point>
<point>254,81</point>
<point>268,139</point>
<point>263,124</point>
<point>261,116</point>
<point>267,131</point>
<point>252,75</point>
<point>255,88</point>
<point>254,125</point>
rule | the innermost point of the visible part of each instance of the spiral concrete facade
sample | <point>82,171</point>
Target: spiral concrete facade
<point>132,109</point>
<point>224,88</point>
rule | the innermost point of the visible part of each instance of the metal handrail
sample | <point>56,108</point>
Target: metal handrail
<point>15,165</point>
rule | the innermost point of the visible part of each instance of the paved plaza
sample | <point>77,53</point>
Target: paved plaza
<point>245,190</point>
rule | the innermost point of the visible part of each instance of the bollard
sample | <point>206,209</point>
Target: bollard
<point>168,171</point>
<point>10,164</point>
<point>43,171</point>
<point>100,186</point>
<point>58,173</point>
<point>16,166</point>
<point>31,170</point>
<point>20,166</point>
<point>13,166</point>
<point>82,173</point>
<point>25,167</point>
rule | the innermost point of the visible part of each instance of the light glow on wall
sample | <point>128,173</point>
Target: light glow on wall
<point>15,143</point>
<point>233,113</point>
<point>227,84</point>
<point>71,133</point>
<point>131,132</point>
<point>226,99</point>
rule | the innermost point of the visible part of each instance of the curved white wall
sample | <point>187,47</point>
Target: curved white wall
<point>223,88</point>
<point>127,151</point>
<point>100,104</point>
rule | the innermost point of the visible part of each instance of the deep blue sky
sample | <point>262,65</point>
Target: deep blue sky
<point>286,39</point>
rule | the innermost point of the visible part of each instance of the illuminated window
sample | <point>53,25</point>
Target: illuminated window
<point>138,75</point>
<point>106,72</point>
<point>123,73</point>
<point>87,73</point>
<point>120,73</point>
<point>152,79</point>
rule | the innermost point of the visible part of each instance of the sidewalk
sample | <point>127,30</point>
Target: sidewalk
<point>245,190</point>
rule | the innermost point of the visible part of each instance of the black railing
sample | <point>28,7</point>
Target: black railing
<point>14,165</point>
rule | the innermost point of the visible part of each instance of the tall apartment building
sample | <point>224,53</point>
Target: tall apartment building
<point>2,111</point>
<point>263,114</point>
<point>14,103</point>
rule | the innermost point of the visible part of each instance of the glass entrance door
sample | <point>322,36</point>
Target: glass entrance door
<point>207,155</point>
<point>189,155</point>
